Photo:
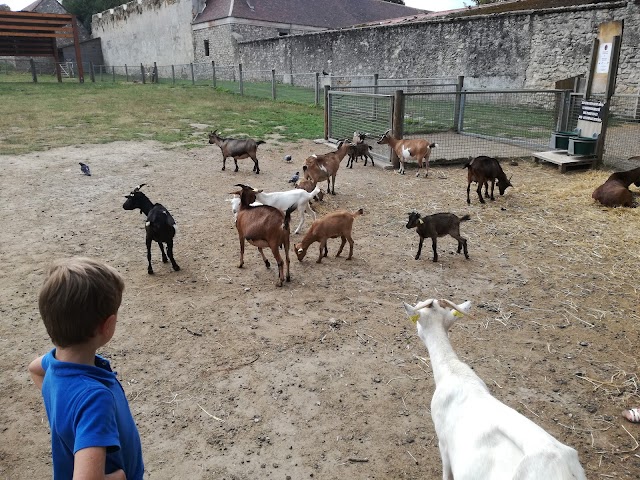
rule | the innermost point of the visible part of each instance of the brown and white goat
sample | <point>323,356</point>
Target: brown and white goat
<point>438,225</point>
<point>333,225</point>
<point>263,226</point>
<point>238,149</point>
<point>417,148</point>
<point>483,170</point>
<point>615,191</point>
<point>359,150</point>
<point>309,185</point>
<point>325,167</point>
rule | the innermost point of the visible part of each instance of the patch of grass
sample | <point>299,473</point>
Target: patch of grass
<point>46,115</point>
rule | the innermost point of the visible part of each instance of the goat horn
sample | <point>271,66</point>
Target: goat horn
<point>455,308</point>
<point>137,189</point>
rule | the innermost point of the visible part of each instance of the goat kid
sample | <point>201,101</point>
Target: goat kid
<point>160,226</point>
<point>325,167</point>
<point>297,198</point>
<point>615,191</point>
<point>333,225</point>
<point>238,149</point>
<point>480,437</point>
<point>483,170</point>
<point>438,225</point>
<point>264,226</point>
<point>405,149</point>
<point>309,185</point>
<point>359,150</point>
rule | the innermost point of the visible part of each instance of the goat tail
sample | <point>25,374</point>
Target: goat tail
<point>465,218</point>
<point>359,212</point>
<point>287,216</point>
<point>315,192</point>
<point>433,145</point>
<point>260,142</point>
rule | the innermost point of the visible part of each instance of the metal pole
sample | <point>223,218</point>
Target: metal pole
<point>317,90</point>
<point>193,77</point>
<point>240,78</point>
<point>213,73</point>
<point>154,78</point>
<point>456,109</point>
<point>126,72</point>
<point>34,75</point>
<point>327,116</point>
<point>173,74</point>
<point>144,80</point>
<point>376,77</point>
<point>397,124</point>
<point>113,73</point>
<point>273,84</point>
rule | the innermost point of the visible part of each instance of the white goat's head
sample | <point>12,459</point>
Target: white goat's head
<point>432,310</point>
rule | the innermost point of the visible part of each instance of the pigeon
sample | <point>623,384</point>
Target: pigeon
<point>295,178</point>
<point>85,169</point>
<point>324,72</point>
<point>287,158</point>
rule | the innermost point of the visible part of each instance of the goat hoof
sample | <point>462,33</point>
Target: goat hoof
<point>150,272</point>
<point>176,268</point>
<point>288,279</point>
<point>165,260</point>
<point>267,264</point>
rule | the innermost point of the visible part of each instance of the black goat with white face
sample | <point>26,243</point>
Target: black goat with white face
<point>160,225</point>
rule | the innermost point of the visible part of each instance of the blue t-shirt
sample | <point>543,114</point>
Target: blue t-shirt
<point>87,407</point>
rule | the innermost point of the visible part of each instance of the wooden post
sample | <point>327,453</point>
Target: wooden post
<point>327,107</point>
<point>34,75</point>
<point>154,77</point>
<point>611,86</point>
<point>173,74</point>
<point>193,77</point>
<point>144,80</point>
<point>54,46</point>
<point>76,43</point>
<point>397,124</point>
<point>457,110</point>
<point>240,78</point>
<point>113,73</point>
<point>126,72</point>
<point>273,84</point>
<point>592,67</point>
<point>92,74</point>
<point>316,99</point>
<point>213,72</point>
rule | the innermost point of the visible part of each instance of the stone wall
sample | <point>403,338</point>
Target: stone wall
<point>531,49</point>
<point>146,31</point>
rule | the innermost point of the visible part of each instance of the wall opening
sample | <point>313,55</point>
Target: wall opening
<point>206,48</point>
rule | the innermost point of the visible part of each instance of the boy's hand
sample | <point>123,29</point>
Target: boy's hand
<point>37,372</point>
<point>117,475</point>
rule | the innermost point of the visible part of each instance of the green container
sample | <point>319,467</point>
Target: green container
<point>582,146</point>
<point>560,140</point>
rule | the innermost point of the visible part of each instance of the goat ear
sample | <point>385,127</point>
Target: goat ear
<point>412,313</point>
<point>236,193</point>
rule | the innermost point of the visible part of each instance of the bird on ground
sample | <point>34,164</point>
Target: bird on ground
<point>295,178</point>
<point>85,169</point>
<point>324,72</point>
<point>287,158</point>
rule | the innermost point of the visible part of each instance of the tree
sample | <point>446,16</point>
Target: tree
<point>5,8</point>
<point>84,9</point>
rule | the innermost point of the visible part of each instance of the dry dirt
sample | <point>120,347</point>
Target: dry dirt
<point>230,377</point>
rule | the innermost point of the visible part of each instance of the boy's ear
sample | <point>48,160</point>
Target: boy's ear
<point>109,324</point>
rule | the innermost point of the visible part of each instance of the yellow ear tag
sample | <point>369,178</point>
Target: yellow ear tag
<point>456,313</point>
<point>414,318</point>
<point>420,220</point>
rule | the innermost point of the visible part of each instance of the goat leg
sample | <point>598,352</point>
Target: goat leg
<point>164,255</point>
<point>350,240</point>
<point>224,163</point>
<point>493,183</point>
<point>342,244</point>
<point>235,160</point>
<point>419,247</point>
<point>468,189</point>
<point>434,244</point>
<point>266,262</point>
<point>323,249</point>
<point>479,190</point>
<point>170,255</point>
<point>241,252</point>
<point>256,166</point>
<point>149,268</point>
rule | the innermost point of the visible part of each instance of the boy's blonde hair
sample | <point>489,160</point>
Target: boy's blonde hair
<point>77,296</point>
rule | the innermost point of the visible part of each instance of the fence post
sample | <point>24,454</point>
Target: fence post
<point>34,75</point>
<point>173,74</point>
<point>273,83</point>
<point>113,73</point>
<point>213,72</point>
<point>154,77</point>
<point>193,77</point>
<point>327,108</point>
<point>126,72</point>
<point>240,78</point>
<point>144,80</point>
<point>376,76</point>
<point>397,124</point>
<point>92,74</point>
<point>316,99</point>
<point>457,121</point>
<point>562,110</point>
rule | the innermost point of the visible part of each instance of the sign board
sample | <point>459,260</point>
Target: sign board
<point>591,111</point>
<point>606,32</point>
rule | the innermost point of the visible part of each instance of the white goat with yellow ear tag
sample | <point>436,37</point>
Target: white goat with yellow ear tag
<point>480,437</point>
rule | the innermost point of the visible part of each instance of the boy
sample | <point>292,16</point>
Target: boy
<point>93,435</point>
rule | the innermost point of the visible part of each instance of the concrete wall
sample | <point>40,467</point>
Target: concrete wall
<point>512,50</point>
<point>146,31</point>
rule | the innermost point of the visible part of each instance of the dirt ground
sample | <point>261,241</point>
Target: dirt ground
<point>230,377</point>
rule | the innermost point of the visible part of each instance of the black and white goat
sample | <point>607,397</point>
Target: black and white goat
<point>160,225</point>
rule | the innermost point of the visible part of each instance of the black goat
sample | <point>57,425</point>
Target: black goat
<point>235,148</point>
<point>484,170</point>
<point>438,225</point>
<point>160,225</point>
<point>359,150</point>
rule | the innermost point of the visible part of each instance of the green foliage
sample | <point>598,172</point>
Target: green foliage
<point>73,114</point>
<point>84,9</point>
<point>5,8</point>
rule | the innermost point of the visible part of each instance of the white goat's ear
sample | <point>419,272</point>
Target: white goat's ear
<point>412,313</point>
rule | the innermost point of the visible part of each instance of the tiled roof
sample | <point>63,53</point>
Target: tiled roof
<point>523,5</point>
<point>315,13</point>
<point>32,6</point>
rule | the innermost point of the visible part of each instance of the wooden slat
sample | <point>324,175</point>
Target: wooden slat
<point>31,21</point>
<point>34,28</point>
<point>36,35</point>
<point>35,15</point>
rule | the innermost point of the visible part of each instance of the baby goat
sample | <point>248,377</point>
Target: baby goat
<point>359,150</point>
<point>438,225</point>
<point>263,226</point>
<point>615,191</point>
<point>405,149</point>
<point>480,437</point>
<point>333,225</point>
<point>237,149</point>
<point>160,225</point>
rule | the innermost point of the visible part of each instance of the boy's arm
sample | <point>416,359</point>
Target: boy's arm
<point>89,463</point>
<point>37,372</point>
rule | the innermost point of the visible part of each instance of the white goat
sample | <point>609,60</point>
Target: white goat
<point>479,437</point>
<point>235,206</point>
<point>283,200</point>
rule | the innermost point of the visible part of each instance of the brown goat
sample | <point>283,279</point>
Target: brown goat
<point>359,150</point>
<point>325,167</point>
<point>405,149</point>
<point>483,170</point>
<point>263,226</point>
<point>615,191</point>
<point>333,225</point>
<point>438,225</point>
<point>238,149</point>
<point>309,185</point>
